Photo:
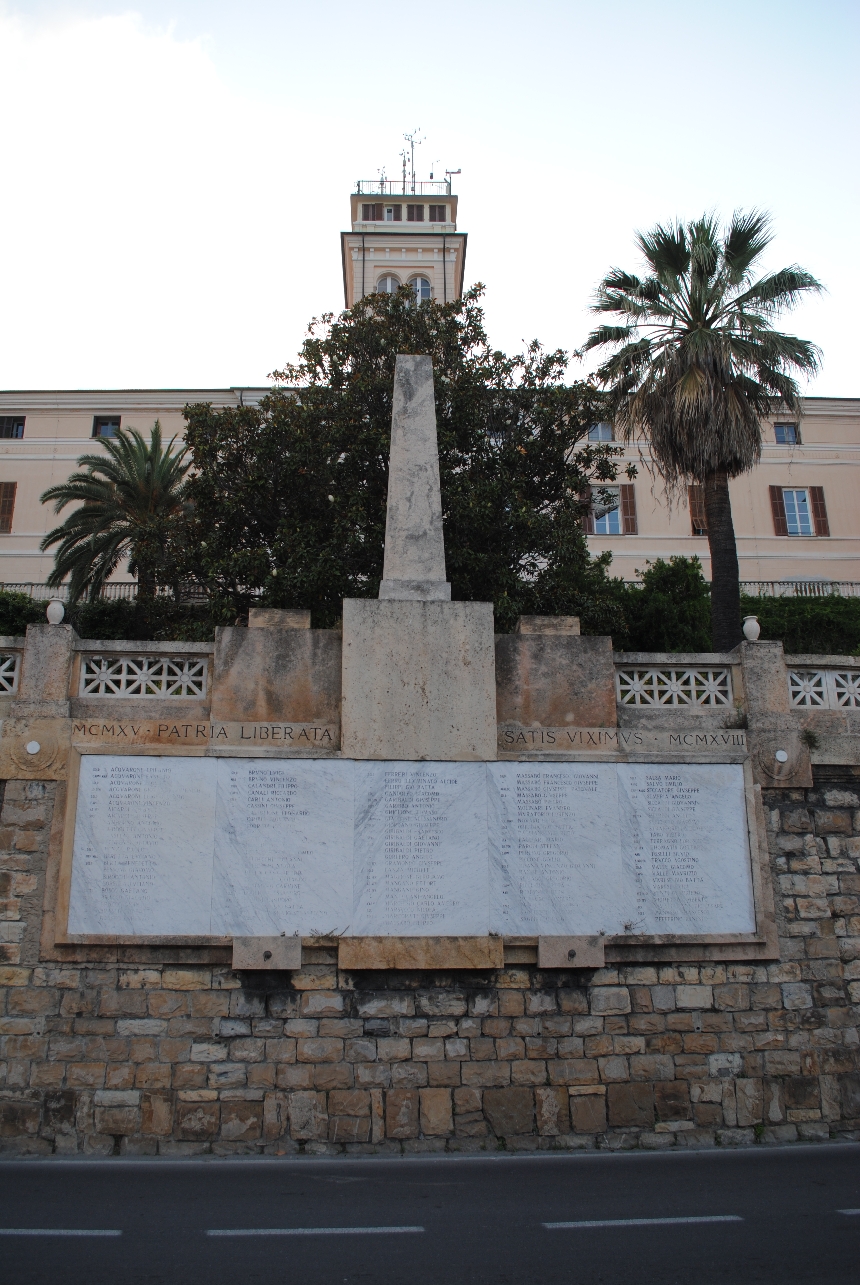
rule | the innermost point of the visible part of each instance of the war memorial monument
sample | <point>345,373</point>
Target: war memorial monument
<point>407,885</point>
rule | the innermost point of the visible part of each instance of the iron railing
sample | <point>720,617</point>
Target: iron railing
<point>390,187</point>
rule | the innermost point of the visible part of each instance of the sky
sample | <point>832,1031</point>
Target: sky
<point>176,174</point>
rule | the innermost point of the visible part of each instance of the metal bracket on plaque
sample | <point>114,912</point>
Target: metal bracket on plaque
<point>570,952</point>
<point>267,952</point>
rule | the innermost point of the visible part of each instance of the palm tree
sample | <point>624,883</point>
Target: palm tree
<point>697,365</point>
<point>129,502</point>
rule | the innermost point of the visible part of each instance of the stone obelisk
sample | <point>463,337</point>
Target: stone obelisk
<point>414,566</point>
<point>418,670</point>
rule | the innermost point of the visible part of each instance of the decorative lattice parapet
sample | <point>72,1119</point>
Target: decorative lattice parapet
<point>10,669</point>
<point>141,677</point>
<point>696,686</point>
<point>823,686</point>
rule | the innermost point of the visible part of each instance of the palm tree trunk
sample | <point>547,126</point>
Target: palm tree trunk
<point>725,577</point>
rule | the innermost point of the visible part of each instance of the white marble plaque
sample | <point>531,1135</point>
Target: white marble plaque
<point>247,847</point>
<point>283,847</point>
<point>555,848</point>
<point>421,866</point>
<point>144,834</point>
<point>686,848</point>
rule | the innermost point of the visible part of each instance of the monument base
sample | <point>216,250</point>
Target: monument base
<point>419,680</point>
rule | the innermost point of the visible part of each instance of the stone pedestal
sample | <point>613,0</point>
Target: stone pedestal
<point>418,680</point>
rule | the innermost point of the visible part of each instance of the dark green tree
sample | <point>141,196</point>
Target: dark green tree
<point>130,504</point>
<point>697,365</point>
<point>290,496</point>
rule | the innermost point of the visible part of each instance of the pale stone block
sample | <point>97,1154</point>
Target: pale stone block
<point>418,680</point>
<point>548,625</point>
<point>420,952</point>
<point>279,618</point>
<point>570,952</point>
<point>555,679</point>
<point>267,952</point>
<point>288,674</point>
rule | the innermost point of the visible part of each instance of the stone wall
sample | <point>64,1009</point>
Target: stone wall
<point>143,1050</point>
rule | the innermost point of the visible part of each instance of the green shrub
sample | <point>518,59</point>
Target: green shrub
<point>821,626</point>
<point>17,611</point>
<point>671,611</point>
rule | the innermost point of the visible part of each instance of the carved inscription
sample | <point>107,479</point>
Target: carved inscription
<point>203,735</point>
<point>617,740</point>
<point>683,832</point>
<point>262,846</point>
<point>555,847</point>
<point>420,849</point>
<point>144,837</point>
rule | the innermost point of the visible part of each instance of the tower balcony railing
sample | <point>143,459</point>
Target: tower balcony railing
<point>392,187</point>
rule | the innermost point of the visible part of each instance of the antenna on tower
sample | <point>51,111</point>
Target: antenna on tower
<point>414,141</point>
<point>433,165</point>
<point>448,174</point>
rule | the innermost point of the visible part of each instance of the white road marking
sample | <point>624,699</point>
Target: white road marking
<point>848,1211</point>
<point>56,1231</point>
<point>313,1231</point>
<point>645,1222</point>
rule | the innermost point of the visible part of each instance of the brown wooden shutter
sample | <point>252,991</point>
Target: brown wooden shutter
<point>378,214</point>
<point>7,505</point>
<point>628,509</point>
<point>698,522</point>
<point>587,518</point>
<point>819,510</point>
<point>397,213</point>
<point>777,508</point>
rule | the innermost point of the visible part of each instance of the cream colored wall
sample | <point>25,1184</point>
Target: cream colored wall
<point>58,430</point>
<point>405,255</point>
<point>828,456</point>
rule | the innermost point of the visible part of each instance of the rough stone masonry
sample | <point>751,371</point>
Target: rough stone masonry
<point>111,1057</point>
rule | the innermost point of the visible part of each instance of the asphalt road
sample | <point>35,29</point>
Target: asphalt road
<point>764,1215</point>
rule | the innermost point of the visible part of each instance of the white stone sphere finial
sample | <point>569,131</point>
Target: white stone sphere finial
<point>752,628</point>
<point>55,611</point>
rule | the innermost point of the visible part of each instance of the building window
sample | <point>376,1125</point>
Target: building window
<point>371,213</point>
<point>422,288</point>
<point>388,285</point>
<point>393,213</point>
<point>799,510</point>
<point>612,511</point>
<point>786,434</point>
<point>7,505</point>
<point>415,213</point>
<point>601,433</point>
<point>105,425</point>
<point>438,214</point>
<point>11,425</point>
<point>606,508</point>
<point>697,510</point>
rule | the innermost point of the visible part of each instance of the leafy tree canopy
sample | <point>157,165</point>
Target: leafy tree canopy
<point>290,496</point>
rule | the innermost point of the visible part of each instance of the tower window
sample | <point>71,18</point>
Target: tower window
<point>438,214</point>
<point>388,285</point>
<point>415,213</point>
<point>11,425</point>
<point>422,288</point>
<point>105,425</point>
<point>393,213</point>
<point>786,434</point>
<point>601,433</point>
<point>372,213</point>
